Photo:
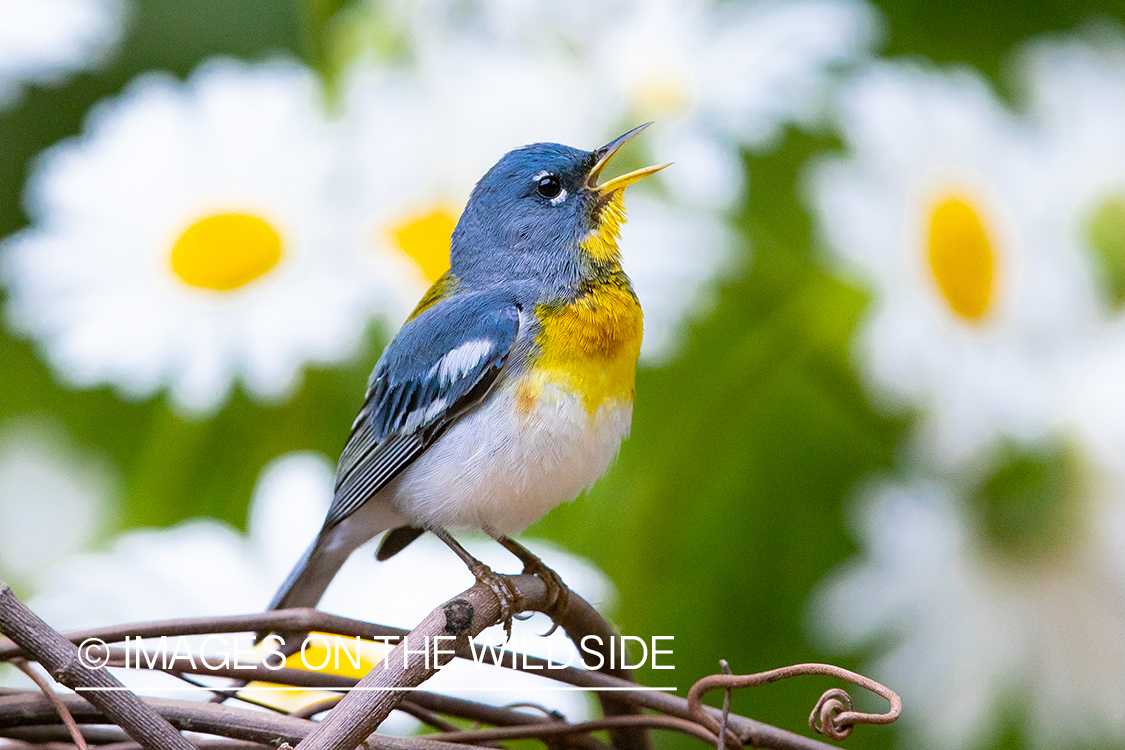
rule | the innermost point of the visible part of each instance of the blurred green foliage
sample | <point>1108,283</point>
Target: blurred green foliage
<point>728,503</point>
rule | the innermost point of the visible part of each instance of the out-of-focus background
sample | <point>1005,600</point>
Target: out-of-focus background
<point>880,415</point>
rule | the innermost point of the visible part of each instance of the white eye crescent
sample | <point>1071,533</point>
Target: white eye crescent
<point>550,186</point>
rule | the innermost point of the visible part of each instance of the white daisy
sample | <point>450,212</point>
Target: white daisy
<point>55,500</point>
<point>1077,89</point>
<point>42,40</point>
<point>941,208</point>
<point>204,567</point>
<point>967,631</point>
<point>714,76</point>
<point>191,237</point>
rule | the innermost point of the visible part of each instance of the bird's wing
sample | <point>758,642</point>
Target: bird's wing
<point>440,364</point>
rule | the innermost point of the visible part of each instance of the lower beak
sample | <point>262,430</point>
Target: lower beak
<point>605,153</point>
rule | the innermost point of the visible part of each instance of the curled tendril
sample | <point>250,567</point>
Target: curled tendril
<point>833,716</point>
<point>823,718</point>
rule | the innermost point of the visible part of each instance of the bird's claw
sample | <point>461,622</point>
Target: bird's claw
<point>508,597</point>
<point>558,595</point>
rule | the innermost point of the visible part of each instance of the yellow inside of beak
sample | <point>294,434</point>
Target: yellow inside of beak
<point>625,180</point>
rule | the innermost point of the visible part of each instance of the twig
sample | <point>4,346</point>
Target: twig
<point>301,619</point>
<point>833,711</point>
<point>61,658</point>
<point>319,707</point>
<point>31,709</point>
<point>582,619</point>
<point>457,621</point>
<point>38,735</point>
<point>832,715</point>
<point>199,744</point>
<point>722,739</point>
<point>560,729</point>
<point>748,730</point>
<point>427,717</point>
<point>44,686</point>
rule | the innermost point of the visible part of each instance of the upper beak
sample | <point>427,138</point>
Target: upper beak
<point>606,152</point>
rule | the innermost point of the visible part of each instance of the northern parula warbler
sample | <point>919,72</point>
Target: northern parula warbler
<point>510,388</point>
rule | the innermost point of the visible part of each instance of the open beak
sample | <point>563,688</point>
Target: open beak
<point>605,153</point>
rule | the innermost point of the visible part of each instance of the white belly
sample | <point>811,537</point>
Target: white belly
<point>502,470</point>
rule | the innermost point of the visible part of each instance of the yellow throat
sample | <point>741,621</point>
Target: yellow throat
<point>588,346</point>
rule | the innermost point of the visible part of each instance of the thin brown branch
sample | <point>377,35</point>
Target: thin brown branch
<point>32,709</point>
<point>61,658</point>
<point>200,744</point>
<point>457,621</point>
<point>581,620</point>
<point>45,687</point>
<point>833,714</point>
<point>745,729</point>
<point>43,733</point>
<point>426,716</point>
<point>561,729</point>
<point>319,707</point>
<point>287,620</point>
<point>464,617</point>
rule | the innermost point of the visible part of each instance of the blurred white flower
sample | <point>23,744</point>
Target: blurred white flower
<point>995,248</point>
<point>715,76</point>
<point>712,74</point>
<point>204,567</point>
<point>42,40</point>
<point>191,237</point>
<point>942,208</point>
<point>719,75</point>
<point>55,500</point>
<point>965,632</point>
<point>1077,92</point>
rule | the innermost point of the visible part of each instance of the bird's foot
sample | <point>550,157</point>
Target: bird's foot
<point>509,598</point>
<point>558,595</point>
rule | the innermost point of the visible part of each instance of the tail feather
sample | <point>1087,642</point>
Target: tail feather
<point>396,541</point>
<point>310,577</point>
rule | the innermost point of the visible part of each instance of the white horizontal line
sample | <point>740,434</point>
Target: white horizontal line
<point>237,689</point>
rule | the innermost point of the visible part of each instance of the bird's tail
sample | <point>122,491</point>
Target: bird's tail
<point>309,578</point>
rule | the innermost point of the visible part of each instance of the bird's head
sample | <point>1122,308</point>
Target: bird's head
<point>540,213</point>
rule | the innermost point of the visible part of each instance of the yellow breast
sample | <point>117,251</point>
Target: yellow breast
<point>588,347</point>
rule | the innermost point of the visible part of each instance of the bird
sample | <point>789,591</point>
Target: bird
<point>510,387</point>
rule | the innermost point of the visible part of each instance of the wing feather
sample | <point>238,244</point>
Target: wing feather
<point>441,364</point>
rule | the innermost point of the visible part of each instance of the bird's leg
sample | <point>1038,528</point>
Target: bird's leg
<point>509,598</point>
<point>558,595</point>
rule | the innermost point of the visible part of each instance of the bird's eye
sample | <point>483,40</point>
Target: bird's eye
<point>549,186</point>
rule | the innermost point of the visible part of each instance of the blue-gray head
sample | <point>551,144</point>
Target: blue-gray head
<point>539,213</point>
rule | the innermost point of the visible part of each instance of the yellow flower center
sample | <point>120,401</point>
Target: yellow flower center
<point>961,256</point>
<point>225,251</point>
<point>424,237</point>
<point>663,94</point>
